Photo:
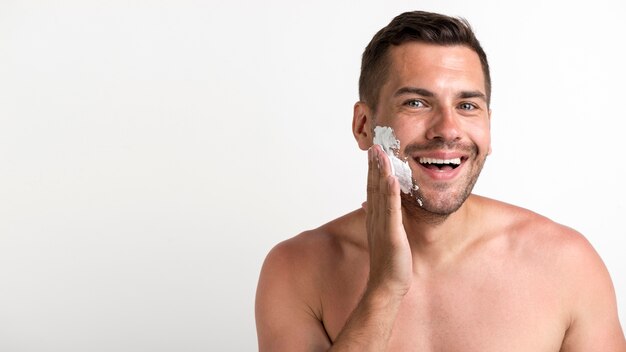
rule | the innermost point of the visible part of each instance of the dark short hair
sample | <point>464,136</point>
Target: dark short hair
<point>418,26</point>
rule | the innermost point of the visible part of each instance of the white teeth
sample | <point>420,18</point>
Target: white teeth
<point>455,161</point>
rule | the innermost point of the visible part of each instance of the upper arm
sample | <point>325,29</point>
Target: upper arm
<point>286,319</point>
<point>594,322</point>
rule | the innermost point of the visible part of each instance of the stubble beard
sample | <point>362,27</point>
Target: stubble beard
<point>437,209</point>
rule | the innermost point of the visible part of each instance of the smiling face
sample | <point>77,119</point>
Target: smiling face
<point>434,99</point>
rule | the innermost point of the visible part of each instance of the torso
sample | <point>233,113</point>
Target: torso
<point>503,294</point>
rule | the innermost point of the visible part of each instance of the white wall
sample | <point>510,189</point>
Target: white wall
<point>152,152</point>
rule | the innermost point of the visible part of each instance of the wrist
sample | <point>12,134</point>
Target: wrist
<point>381,297</point>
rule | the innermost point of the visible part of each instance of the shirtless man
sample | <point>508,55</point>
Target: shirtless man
<point>459,272</point>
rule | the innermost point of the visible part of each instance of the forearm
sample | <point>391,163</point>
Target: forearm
<point>370,324</point>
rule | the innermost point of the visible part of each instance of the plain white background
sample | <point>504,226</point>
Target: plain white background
<point>152,152</point>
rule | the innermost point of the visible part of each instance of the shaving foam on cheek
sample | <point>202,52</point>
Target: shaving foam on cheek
<point>385,137</point>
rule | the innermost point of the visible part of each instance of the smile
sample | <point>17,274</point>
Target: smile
<point>440,164</point>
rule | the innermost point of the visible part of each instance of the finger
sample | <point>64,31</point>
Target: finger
<point>372,170</point>
<point>376,164</point>
<point>383,183</point>
<point>385,163</point>
<point>372,184</point>
<point>393,204</point>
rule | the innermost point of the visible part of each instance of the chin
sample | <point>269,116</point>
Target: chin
<point>437,202</point>
<point>441,199</point>
<point>443,208</point>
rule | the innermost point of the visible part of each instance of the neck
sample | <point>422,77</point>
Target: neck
<point>438,240</point>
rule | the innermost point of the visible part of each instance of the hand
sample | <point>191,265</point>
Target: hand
<point>391,265</point>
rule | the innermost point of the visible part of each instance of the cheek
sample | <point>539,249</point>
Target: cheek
<point>408,131</point>
<point>481,135</point>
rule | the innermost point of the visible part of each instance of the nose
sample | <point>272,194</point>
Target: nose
<point>444,126</point>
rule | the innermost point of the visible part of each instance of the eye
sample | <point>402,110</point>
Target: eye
<point>467,106</point>
<point>413,103</point>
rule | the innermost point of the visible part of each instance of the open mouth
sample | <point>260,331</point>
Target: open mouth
<point>440,164</point>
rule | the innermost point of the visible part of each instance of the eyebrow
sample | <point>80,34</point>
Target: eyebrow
<point>414,90</point>
<point>472,94</point>
<point>426,93</point>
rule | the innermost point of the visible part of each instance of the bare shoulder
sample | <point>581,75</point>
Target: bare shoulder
<point>536,234</point>
<point>313,250</point>
<point>553,249</point>
<point>288,308</point>
<point>564,260</point>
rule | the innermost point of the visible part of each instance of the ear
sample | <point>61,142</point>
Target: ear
<point>362,125</point>
<point>489,152</point>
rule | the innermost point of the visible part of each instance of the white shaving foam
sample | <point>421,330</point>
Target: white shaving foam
<point>385,137</point>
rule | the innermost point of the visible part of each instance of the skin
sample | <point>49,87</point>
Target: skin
<point>459,274</point>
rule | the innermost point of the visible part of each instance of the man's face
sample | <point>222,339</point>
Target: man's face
<point>435,101</point>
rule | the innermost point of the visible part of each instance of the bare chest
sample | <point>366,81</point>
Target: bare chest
<point>493,309</point>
